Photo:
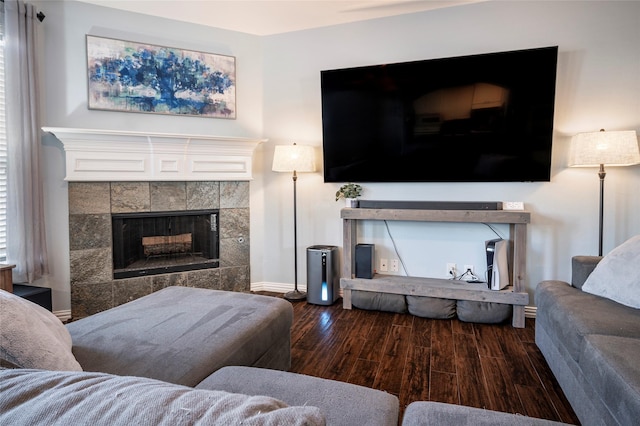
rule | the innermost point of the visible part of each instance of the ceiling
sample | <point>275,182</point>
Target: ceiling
<point>266,17</point>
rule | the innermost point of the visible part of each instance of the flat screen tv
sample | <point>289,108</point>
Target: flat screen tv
<point>478,118</point>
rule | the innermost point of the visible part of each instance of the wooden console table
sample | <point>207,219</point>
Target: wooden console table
<point>515,294</point>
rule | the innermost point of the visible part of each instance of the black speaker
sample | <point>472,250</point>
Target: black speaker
<point>365,260</point>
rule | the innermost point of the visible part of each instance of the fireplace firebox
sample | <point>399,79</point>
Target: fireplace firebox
<point>164,242</point>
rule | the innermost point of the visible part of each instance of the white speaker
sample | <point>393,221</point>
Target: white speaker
<point>497,264</point>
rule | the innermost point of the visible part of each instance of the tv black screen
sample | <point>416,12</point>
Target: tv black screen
<point>478,118</point>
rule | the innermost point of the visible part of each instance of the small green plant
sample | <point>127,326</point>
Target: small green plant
<point>349,190</point>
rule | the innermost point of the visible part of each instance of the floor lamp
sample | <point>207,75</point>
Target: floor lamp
<point>294,159</point>
<point>597,149</point>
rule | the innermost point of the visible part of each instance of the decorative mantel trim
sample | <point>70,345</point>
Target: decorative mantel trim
<point>112,155</point>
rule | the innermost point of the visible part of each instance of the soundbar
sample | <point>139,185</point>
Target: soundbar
<point>431,205</point>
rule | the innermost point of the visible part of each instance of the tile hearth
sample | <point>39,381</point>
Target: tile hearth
<point>91,204</point>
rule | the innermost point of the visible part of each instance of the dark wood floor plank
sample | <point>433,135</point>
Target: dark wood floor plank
<point>389,377</point>
<point>535,403</point>
<point>471,383</point>
<point>403,320</point>
<point>442,347</point>
<point>421,332</point>
<point>374,347</point>
<point>465,345</point>
<point>528,333</point>
<point>444,387</point>
<point>364,373</point>
<point>487,341</point>
<point>415,380</point>
<point>462,327</point>
<point>500,386</point>
<point>516,357</point>
<point>480,365</point>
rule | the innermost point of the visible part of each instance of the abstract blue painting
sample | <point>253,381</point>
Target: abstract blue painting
<point>136,77</point>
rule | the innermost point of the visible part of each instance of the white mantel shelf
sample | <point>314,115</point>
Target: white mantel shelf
<point>112,155</point>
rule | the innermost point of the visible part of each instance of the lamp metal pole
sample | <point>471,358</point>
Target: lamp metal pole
<point>601,174</point>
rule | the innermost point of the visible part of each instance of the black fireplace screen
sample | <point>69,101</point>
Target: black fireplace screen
<point>164,242</point>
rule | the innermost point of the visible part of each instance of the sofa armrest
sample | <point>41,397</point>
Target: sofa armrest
<point>581,268</point>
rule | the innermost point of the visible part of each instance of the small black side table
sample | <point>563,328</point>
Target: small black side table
<point>39,295</point>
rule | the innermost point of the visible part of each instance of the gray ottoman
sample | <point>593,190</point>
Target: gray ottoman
<point>181,335</point>
<point>340,403</point>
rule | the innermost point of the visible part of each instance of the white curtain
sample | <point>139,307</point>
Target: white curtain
<point>26,245</point>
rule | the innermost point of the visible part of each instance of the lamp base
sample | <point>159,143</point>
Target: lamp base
<point>295,296</point>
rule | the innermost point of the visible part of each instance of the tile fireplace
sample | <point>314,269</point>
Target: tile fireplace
<point>101,278</point>
<point>150,210</point>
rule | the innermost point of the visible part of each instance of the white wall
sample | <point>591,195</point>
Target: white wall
<point>279,98</point>
<point>598,86</point>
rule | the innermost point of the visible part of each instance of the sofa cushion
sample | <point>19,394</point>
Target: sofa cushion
<point>617,276</point>
<point>431,307</point>
<point>581,314</point>
<point>32,337</point>
<point>387,302</point>
<point>610,364</point>
<point>341,403</point>
<point>483,312</point>
<point>52,397</point>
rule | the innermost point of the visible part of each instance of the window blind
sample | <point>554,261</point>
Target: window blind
<point>3,148</point>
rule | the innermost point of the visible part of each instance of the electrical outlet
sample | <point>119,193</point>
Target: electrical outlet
<point>513,205</point>
<point>384,265</point>
<point>451,270</point>
<point>468,268</point>
<point>394,265</point>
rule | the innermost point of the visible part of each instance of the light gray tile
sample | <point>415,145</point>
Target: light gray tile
<point>168,196</point>
<point>204,278</point>
<point>203,195</point>
<point>91,266</point>
<point>130,289</point>
<point>234,252</point>
<point>89,299</point>
<point>237,278</point>
<point>158,282</point>
<point>89,197</point>
<point>234,194</point>
<point>234,223</point>
<point>89,231</point>
<point>130,197</point>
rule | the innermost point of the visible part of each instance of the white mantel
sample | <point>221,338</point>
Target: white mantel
<point>112,155</point>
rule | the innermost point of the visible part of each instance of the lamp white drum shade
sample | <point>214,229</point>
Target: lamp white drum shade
<point>618,148</point>
<point>294,158</point>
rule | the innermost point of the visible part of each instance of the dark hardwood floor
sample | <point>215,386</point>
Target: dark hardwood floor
<point>496,367</point>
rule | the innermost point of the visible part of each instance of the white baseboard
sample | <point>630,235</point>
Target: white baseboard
<point>276,287</point>
<point>530,311</point>
<point>63,316</point>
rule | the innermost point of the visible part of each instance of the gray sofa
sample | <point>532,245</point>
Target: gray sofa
<point>592,345</point>
<point>178,356</point>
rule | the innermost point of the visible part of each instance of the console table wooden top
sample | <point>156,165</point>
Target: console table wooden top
<point>469,216</point>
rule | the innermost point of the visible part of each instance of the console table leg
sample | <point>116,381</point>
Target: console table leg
<point>346,298</point>
<point>518,316</point>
